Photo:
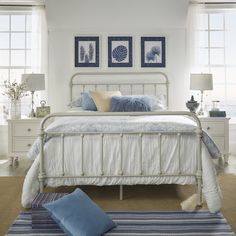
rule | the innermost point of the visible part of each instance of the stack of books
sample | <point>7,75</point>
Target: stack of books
<point>217,113</point>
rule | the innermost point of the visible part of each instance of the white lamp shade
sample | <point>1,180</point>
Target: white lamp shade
<point>201,82</point>
<point>34,82</point>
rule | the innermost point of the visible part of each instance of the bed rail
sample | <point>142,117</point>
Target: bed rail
<point>198,132</point>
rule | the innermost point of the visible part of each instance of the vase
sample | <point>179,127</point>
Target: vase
<point>16,109</point>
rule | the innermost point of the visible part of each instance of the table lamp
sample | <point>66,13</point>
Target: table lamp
<point>201,82</point>
<point>33,82</point>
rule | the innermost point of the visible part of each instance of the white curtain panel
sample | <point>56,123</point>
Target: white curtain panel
<point>39,59</point>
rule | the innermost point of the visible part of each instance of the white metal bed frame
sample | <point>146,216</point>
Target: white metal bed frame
<point>198,133</point>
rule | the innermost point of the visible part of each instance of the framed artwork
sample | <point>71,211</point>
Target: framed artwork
<point>153,52</point>
<point>87,51</point>
<point>120,50</point>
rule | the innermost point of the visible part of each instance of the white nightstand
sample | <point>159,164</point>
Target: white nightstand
<point>21,135</point>
<point>218,129</point>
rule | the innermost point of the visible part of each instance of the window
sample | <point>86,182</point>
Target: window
<point>216,54</point>
<point>15,53</point>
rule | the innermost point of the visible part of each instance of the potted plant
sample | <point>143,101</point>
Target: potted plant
<point>15,91</point>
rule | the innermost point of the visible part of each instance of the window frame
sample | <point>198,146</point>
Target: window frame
<point>209,67</point>
<point>11,11</point>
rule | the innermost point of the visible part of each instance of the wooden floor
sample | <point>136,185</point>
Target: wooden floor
<point>16,170</point>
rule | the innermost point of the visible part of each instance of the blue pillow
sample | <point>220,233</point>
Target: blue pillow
<point>130,103</point>
<point>77,214</point>
<point>87,102</point>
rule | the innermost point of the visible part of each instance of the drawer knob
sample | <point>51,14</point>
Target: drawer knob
<point>29,129</point>
<point>208,128</point>
<point>29,145</point>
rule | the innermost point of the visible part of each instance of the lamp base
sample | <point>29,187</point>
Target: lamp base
<point>32,113</point>
<point>201,113</point>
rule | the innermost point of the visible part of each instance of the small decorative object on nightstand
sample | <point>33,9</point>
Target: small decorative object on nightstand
<point>192,105</point>
<point>43,110</point>
<point>218,129</point>
<point>21,135</point>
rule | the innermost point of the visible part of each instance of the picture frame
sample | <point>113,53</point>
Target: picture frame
<point>153,52</point>
<point>120,51</point>
<point>86,51</point>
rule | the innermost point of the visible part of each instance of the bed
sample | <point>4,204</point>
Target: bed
<point>100,148</point>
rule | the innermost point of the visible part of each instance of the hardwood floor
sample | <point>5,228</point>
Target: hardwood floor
<point>16,170</point>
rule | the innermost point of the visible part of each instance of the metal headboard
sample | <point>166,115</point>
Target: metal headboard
<point>115,80</point>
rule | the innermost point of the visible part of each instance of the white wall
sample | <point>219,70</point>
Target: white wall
<point>68,18</point>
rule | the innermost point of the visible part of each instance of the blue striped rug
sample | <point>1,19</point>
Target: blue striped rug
<point>132,223</point>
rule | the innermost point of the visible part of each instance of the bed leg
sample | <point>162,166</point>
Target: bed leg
<point>41,186</point>
<point>121,193</point>
<point>199,191</point>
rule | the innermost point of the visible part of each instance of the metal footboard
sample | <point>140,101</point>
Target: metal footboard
<point>161,173</point>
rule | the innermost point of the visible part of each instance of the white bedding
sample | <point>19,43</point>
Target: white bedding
<point>131,164</point>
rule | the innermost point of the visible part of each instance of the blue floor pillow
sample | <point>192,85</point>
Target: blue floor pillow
<point>78,215</point>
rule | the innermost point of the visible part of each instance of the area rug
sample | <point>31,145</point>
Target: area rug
<point>140,223</point>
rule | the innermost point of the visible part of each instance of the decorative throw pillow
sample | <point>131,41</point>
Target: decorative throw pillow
<point>130,103</point>
<point>77,102</point>
<point>158,102</point>
<point>77,214</point>
<point>87,102</point>
<point>102,99</point>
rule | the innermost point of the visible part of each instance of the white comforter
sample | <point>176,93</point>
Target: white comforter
<point>131,164</point>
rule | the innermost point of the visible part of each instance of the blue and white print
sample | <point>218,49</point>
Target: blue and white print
<point>86,51</point>
<point>120,51</point>
<point>153,51</point>
<point>153,54</point>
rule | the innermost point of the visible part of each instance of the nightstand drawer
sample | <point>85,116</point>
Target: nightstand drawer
<point>22,144</point>
<point>24,129</point>
<point>220,142</point>
<point>214,128</point>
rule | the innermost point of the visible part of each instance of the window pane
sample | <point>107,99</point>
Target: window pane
<point>4,58</point>
<point>17,58</point>
<point>230,19</point>
<point>218,93</point>
<point>218,74</point>
<point>28,71</point>
<point>203,39</point>
<point>203,24</point>
<point>231,75</point>
<point>28,40</point>
<point>217,56</point>
<point>230,91</point>
<point>3,75</point>
<point>18,23</point>
<point>17,40</point>
<point>216,21</point>
<point>4,40</point>
<point>28,58</point>
<point>203,57</point>
<point>15,75</point>
<point>230,47</point>
<point>217,39</point>
<point>4,23</point>
<point>28,23</point>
